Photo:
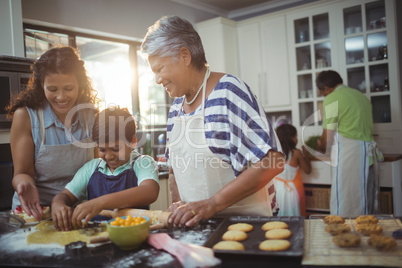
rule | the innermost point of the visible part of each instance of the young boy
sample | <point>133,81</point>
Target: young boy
<point>111,181</point>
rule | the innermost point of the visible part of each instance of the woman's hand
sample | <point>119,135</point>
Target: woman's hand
<point>191,213</point>
<point>29,198</point>
<point>85,211</point>
<point>61,216</point>
<point>175,205</point>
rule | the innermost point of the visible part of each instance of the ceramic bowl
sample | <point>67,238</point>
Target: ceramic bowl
<point>128,237</point>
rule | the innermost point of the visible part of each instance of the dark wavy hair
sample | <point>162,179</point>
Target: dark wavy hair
<point>112,124</point>
<point>285,134</point>
<point>60,59</point>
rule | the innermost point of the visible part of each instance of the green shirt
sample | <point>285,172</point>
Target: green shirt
<point>349,112</point>
<point>145,168</point>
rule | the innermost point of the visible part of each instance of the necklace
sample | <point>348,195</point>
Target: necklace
<point>207,73</point>
<point>195,97</point>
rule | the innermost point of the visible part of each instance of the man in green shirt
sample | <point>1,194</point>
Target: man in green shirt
<point>348,128</point>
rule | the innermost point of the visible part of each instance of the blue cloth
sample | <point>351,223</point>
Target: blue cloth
<point>101,184</point>
<point>55,132</point>
<point>144,167</point>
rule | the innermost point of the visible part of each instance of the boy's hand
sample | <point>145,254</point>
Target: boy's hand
<point>85,211</point>
<point>61,216</point>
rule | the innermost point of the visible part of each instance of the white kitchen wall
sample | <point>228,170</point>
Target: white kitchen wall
<point>129,18</point>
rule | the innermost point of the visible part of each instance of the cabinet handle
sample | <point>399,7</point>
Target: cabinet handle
<point>265,94</point>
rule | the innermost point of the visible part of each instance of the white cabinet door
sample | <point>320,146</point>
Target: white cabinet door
<point>264,62</point>
<point>276,89</point>
<point>250,57</point>
<point>219,39</point>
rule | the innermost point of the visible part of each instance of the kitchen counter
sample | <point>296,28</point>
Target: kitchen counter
<point>13,252</point>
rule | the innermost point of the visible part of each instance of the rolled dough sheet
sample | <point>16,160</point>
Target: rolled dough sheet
<point>47,234</point>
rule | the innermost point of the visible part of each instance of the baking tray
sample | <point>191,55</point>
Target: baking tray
<point>256,236</point>
<point>320,242</point>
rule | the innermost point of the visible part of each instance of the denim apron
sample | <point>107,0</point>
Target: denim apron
<point>101,184</point>
<point>56,165</point>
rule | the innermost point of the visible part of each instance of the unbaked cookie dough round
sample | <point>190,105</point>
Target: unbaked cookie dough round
<point>234,235</point>
<point>274,245</point>
<point>274,225</point>
<point>245,227</point>
<point>278,234</point>
<point>229,245</point>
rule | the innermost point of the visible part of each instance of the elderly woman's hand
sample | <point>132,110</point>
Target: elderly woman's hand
<point>175,205</point>
<point>191,213</point>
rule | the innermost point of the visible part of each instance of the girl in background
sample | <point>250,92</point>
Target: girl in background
<point>289,185</point>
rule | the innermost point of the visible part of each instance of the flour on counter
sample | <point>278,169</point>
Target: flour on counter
<point>151,257</point>
<point>195,237</point>
<point>17,241</point>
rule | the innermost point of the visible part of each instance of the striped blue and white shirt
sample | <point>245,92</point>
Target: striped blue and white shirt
<point>236,127</point>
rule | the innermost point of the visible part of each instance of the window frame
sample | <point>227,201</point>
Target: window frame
<point>133,47</point>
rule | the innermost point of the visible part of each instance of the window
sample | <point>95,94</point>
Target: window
<point>120,75</point>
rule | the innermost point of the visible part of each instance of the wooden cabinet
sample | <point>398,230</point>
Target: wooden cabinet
<point>263,61</point>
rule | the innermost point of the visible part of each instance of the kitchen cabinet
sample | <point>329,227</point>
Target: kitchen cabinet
<point>390,172</point>
<point>164,199</point>
<point>219,38</point>
<point>12,42</point>
<point>317,186</point>
<point>358,39</point>
<point>311,35</point>
<point>263,61</point>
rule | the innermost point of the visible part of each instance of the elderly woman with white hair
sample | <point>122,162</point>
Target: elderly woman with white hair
<point>222,150</point>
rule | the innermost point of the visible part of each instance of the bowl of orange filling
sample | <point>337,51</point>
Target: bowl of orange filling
<point>128,232</point>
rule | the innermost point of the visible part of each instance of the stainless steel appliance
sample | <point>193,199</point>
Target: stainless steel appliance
<point>14,76</point>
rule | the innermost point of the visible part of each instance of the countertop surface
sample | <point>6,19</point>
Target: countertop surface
<point>16,253</point>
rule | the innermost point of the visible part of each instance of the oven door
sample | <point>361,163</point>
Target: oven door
<point>9,86</point>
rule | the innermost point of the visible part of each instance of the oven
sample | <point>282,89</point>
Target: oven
<point>14,76</point>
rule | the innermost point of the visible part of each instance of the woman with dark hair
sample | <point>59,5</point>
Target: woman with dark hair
<point>50,135</point>
<point>222,149</point>
<point>289,185</point>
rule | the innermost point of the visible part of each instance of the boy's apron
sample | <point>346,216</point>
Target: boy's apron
<point>101,184</point>
<point>355,186</point>
<point>199,173</point>
<point>56,165</point>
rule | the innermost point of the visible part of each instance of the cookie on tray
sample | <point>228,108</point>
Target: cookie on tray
<point>367,219</point>
<point>274,245</point>
<point>337,228</point>
<point>369,229</point>
<point>381,242</point>
<point>278,234</point>
<point>229,245</point>
<point>234,235</point>
<point>274,225</point>
<point>346,240</point>
<point>245,227</point>
<point>333,219</point>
